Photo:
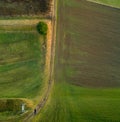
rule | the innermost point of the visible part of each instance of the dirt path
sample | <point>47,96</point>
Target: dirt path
<point>49,60</point>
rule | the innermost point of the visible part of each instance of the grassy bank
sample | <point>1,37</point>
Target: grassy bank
<point>11,108</point>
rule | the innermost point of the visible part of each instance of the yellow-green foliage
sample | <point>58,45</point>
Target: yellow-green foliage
<point>14,104</point>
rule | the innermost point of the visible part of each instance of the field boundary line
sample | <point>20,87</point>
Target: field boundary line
<point>18,22</point>
<point>103,4</point>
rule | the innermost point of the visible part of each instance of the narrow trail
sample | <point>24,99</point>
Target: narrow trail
<point>50,64</point>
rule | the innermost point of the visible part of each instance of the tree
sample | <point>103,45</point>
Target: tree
<point>42,28</point>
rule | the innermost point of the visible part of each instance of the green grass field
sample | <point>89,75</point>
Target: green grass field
<point>22,60</point>
<point>87,75</point>
<point>113,3</point>
<point>71,103</point>
<point>21,64</point>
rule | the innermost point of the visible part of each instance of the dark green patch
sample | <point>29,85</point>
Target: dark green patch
<point>42,28</point>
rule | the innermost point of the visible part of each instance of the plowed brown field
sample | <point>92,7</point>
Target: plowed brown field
<point>88,44</point>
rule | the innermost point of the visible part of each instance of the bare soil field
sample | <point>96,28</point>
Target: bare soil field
<point>88,47</point>
<point>24,7</point>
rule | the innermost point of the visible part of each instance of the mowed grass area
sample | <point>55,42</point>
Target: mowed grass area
<point>21,64</point>
<point>87,75</point>
<point>22,60</point>
<point>113,3</point>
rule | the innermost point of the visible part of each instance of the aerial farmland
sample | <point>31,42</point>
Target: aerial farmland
<point>59,61</point>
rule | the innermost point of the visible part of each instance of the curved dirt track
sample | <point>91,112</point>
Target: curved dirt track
<point>50,62</point>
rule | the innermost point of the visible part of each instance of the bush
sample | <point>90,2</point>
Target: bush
<point>14,104</point>
<point>42,28</point>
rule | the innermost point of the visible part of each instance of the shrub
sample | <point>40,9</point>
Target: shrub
<point>42,28</point>
<point>14,104</point>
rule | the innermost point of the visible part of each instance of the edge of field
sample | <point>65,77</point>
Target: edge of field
<point>103,4</point>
